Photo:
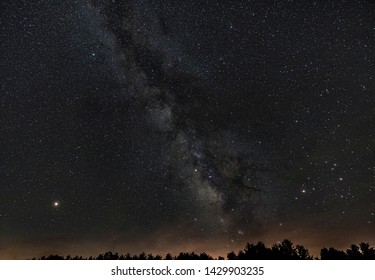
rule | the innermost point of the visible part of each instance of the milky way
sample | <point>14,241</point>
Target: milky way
<point>170,125</point>
<point>211,168</point>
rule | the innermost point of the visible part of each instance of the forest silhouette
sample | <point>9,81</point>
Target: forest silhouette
<point>284,250</point>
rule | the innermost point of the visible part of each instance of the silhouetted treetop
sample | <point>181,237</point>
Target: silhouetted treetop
<point>361,252</point>
<point>284,250</point>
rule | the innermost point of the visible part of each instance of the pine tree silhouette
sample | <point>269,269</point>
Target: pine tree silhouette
<point>280,251</point>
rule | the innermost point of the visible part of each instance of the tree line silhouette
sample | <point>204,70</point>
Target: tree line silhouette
<point>281,251</point>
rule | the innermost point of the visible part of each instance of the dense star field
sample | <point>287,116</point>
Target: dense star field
<point>164,126</point>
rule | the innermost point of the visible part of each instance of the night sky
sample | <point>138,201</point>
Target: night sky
<point>167,126</point>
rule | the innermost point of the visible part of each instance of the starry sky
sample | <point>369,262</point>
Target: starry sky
<point>164,126</point>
